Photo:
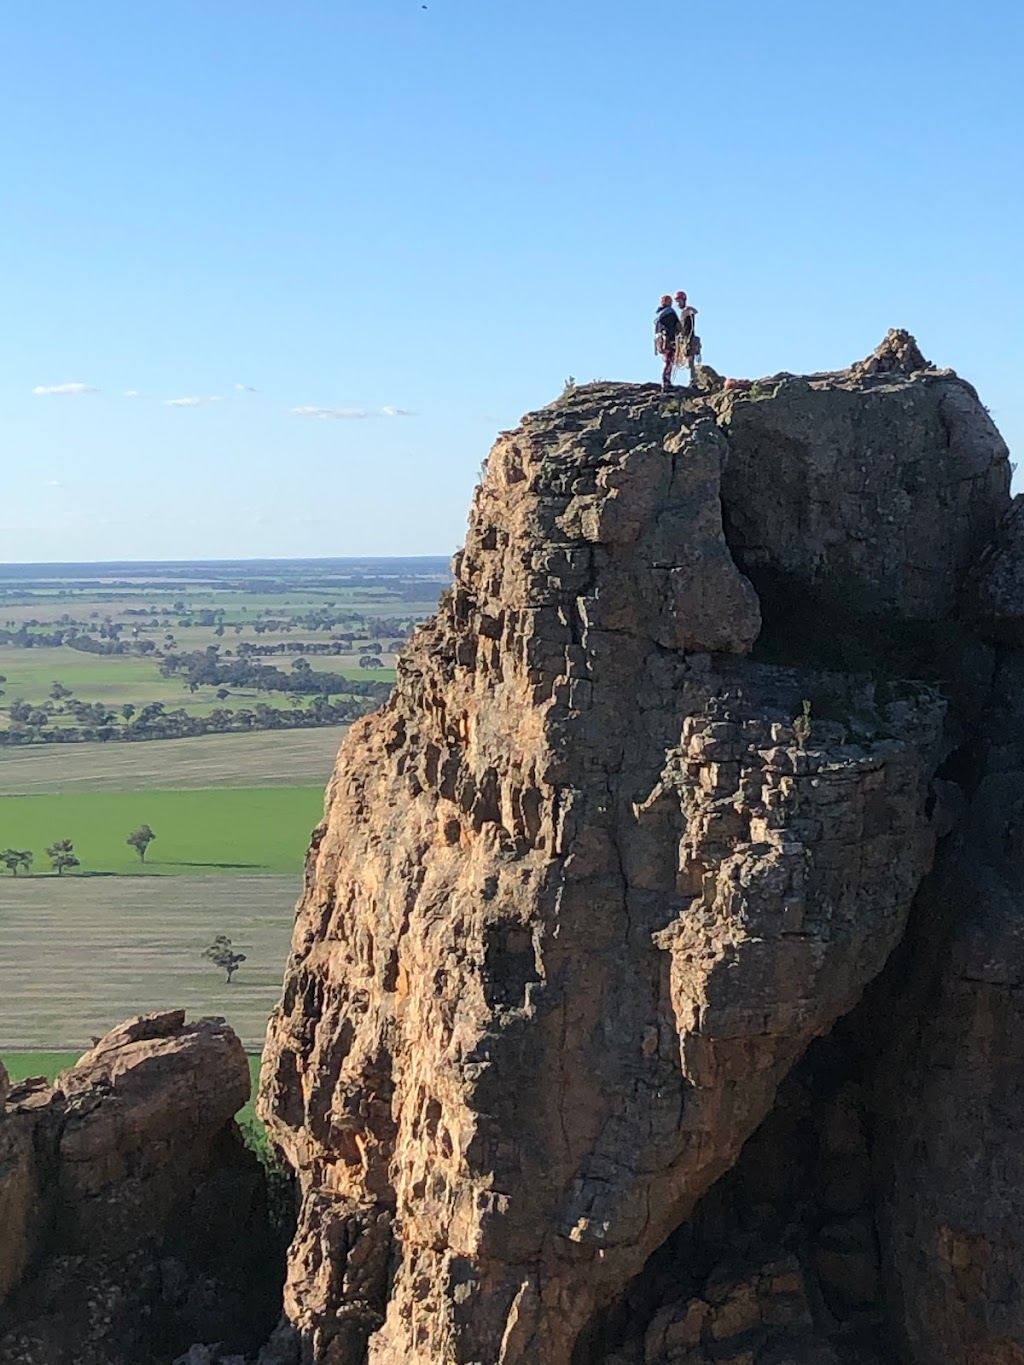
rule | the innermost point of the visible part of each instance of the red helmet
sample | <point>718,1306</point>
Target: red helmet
<point>680,296</point>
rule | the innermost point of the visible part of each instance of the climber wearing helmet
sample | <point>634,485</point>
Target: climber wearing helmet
<point>666,335</point>
<point>688,342</point>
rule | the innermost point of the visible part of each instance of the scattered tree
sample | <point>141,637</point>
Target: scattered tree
<point>140,839</point>
<point>222,955</point>
<point>62,856</point>
<point>16,859</point>
<point>58,691</point>
<point>370,661</point>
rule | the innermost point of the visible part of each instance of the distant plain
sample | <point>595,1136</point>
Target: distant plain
<point>73,967</point>
<point>232,811</point>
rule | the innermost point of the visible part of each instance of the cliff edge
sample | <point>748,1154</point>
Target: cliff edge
<point>651,806</point>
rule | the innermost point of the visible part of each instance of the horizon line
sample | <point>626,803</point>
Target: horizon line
<point>255,559</point>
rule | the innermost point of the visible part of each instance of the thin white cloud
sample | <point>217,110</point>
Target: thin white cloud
<point>245,388</point>
<point>63,390</point>
<point>348,414</point>
<point>53,483</point>
<point>135,393</point>
<point>190,402</point>
<point>331,414</point>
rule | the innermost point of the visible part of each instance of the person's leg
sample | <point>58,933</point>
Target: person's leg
<point>691,361</point>
<point>666,373</point>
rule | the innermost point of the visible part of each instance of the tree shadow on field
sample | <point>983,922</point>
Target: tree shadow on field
<point>182,862</point>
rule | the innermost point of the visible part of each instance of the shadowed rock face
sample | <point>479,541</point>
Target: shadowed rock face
<point>127,1201</point>
<point>588,886</point>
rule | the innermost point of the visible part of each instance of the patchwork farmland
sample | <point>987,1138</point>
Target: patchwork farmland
<point>230,785</point>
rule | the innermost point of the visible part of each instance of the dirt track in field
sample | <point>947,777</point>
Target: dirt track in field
<point>79,957</point>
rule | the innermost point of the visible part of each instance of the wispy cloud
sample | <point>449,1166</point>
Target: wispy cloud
<point>245,388</point>
<point>191,402</point>
<point>134,393</point>
<point>348,414</point>
<point>63,390</point>
<point>53,483</point>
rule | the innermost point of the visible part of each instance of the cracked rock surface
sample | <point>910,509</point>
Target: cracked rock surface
<point>599,872</point>
<point>129,1209</point>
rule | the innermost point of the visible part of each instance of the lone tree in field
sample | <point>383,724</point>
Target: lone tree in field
<point>16,859</point>
<point>140,839</point>
<point>62,856</point>
<point>222,955</point>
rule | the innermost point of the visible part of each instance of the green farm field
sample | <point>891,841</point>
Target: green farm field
<point>21,1065</point>
<point>117,679</point>
<point>216,830</point>
<point>232,808</point>
<point>272,758</point>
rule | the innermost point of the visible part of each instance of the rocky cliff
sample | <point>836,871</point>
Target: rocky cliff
<point>656,797</point>
<point>132,1219</point>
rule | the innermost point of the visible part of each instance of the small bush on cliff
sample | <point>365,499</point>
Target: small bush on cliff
<point>802,726</point>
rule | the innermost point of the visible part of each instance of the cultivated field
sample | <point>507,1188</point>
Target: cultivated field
<point>271,758</point>
<point>71,969</point>
<point>193,698</point>
<point>215,830</point>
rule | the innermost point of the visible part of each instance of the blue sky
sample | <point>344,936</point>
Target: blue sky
<point>431,217</point>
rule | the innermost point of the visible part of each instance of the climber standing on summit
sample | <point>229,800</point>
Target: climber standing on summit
<point>688,344</point>
<point>666,335</point>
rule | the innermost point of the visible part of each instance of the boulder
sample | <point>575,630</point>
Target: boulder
<point>875,488</point>
<point>130,1212</point>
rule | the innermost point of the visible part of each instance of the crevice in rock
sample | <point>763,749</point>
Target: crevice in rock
<point>780,1261</point>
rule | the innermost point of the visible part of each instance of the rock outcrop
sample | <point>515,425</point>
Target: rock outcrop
<point>600,871</point>
<point>130,1212</point>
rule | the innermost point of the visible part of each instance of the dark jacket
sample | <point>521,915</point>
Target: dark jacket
<point>666,322</point>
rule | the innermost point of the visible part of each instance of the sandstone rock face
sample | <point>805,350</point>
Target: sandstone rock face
<point>142,1112</point>
<point>121,1188</point>
<point>995,593</point>
<point>880,491</point>
<point>593,879</point>
<point>952,1223</point>
<point>950,1084</point>
<point>19,1194</point>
